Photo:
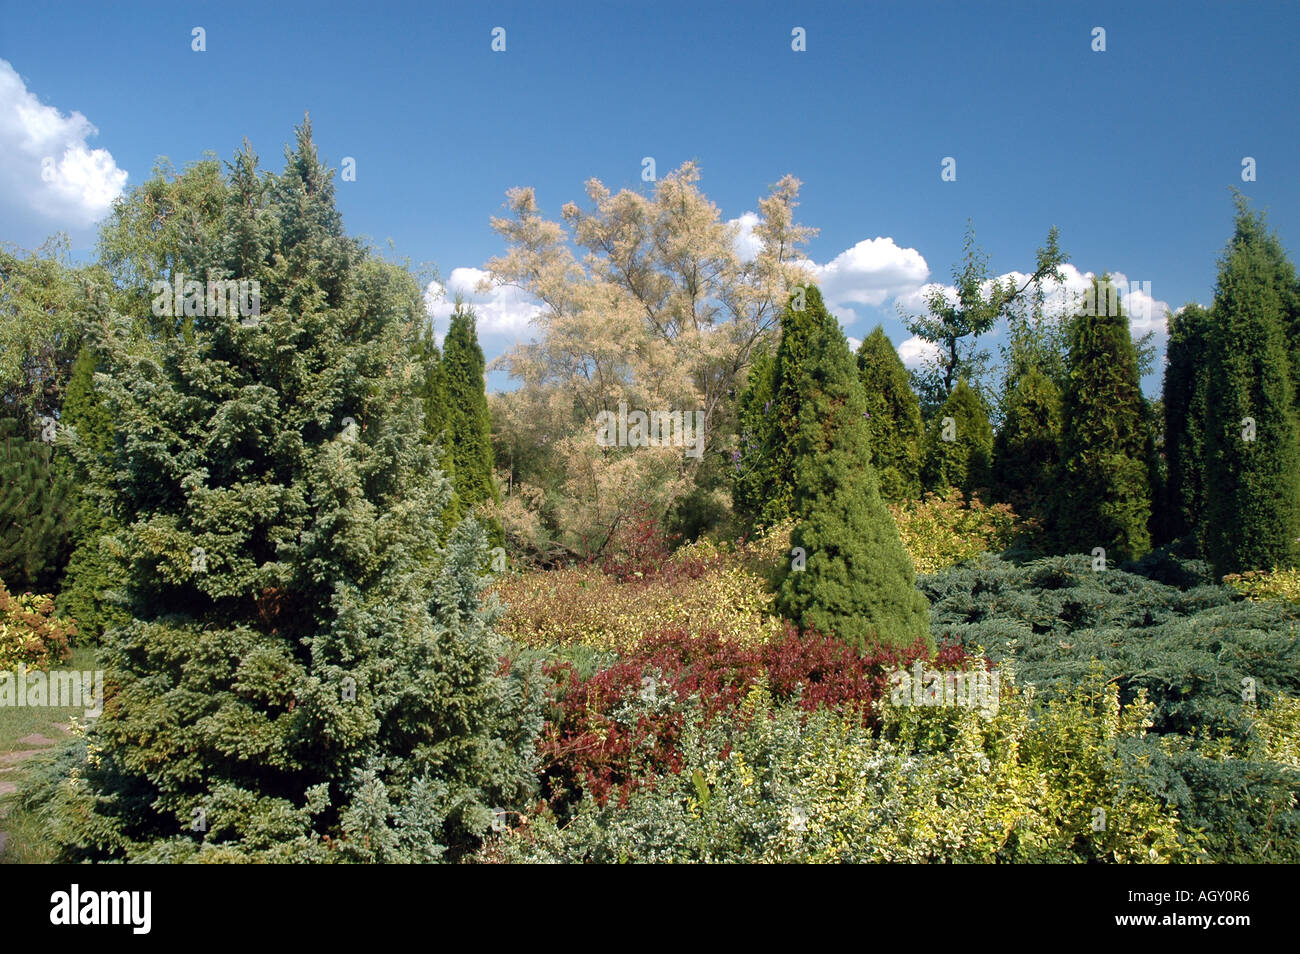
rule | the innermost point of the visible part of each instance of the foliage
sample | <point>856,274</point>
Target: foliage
<point>955,327</point>
<point>309,674</point>
<point>1252,439</point>
<point>661,312</point>
<point>621,729</point>
<point>1274,584</point>
<point>754,472</point>
<point>893,417</point>
<point>1196,653</point>
<point>701,586</point>
<point>1103,495</point>
<point>780,784</point>
<point>857,583</point>
<point>1026,450</point>
<point>462,369</point>
<point>30,632</point>
<point>1184,395</point>
<point>959,444</point>
<point>36,504</point>
<point>941,530</point>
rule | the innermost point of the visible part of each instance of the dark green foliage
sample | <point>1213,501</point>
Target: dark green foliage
<point>1190,650</point>
<point>469,423</point>
<point>893,417</point>
<point>753,472</point>
<point>859,583</point>
<point>309,674</point>
<point>959,444</point>
<point>1103,496</point>
<point>1184,396</point>
<point>1252,475</point>
<point>36,505</point>
<point>1026,450</point>
<point>93,585</point>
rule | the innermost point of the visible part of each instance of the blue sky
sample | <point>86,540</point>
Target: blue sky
<point>1131,151</point>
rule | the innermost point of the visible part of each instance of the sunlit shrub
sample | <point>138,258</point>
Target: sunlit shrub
<point>940,531</point>
<point>1275,584</point>
<point>30,633</point>
<point>779,784</point>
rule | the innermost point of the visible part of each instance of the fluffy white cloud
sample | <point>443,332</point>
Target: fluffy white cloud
<point>48,168</point>
<point>746,243</point>
<point>871,272</point>
<point>500,310</point>
<point>914,351</point>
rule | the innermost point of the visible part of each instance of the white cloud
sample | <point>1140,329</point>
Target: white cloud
<point>48,168</point>
<point>500,310</point>
<point>746,243</point>
<point>914,351</point>
<point>871,272</point>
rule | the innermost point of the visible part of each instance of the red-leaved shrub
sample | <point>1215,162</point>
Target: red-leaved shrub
<point>619,729</point>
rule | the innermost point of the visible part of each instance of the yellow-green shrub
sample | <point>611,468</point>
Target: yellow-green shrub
<point>30,633</point>
<point>940,531</point>
<point>1275,584</point>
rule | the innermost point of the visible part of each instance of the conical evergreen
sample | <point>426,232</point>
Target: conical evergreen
<point>308,675</point>
<point>36,512</point>
<point>959,444</point>
<point>1026,449</point>
<point>893,417</point>
<point>753,472</point>
<point>92,590</point>
<point>462,369</point>
<point>1184,396</point>
<point>858,583</point>
<point>1252,478</point>
<point>1103,496</point>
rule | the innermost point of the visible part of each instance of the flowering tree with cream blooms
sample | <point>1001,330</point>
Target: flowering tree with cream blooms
<point>648,300</point>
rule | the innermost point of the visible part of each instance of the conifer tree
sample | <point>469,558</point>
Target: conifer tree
<point>893,417</point>
<point>470,424</point>
<point>1252,477</point>
<point>309,674</point>
<point>92,587</point>
<point>1184,396</point>
<point>959,444</point>
<point>753,473</point>
<point>35,511</point>
<point>850,575</point>
<point>1103,497</point>
<point>1026,449</point>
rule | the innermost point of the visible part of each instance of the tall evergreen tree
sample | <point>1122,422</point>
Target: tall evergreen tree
<point>752,464</point>
<point>1103,496</point>
<point>92,588</point>
<point>1252,476</point>
<point>309,674</point>
<point>893,417</point>
<point>858,582</point>
<point>1184,397</point>
<point>36,504</point>
<point>1026,449</point>
<point>462,369</point>
<point>959,444</point>
<point>777,427</point>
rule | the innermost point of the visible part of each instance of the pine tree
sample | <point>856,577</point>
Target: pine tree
<point>858,582</point>
<point>462,368</point>
<point>1252,475</point>
<point>308,674</point>
<point>1184,396</point>
<point>893,417</point>
<point>959,444</point>
<point>1103,496</point>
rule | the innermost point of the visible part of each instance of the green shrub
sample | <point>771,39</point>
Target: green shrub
<point>943,529</point>
<point>939,785</point>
